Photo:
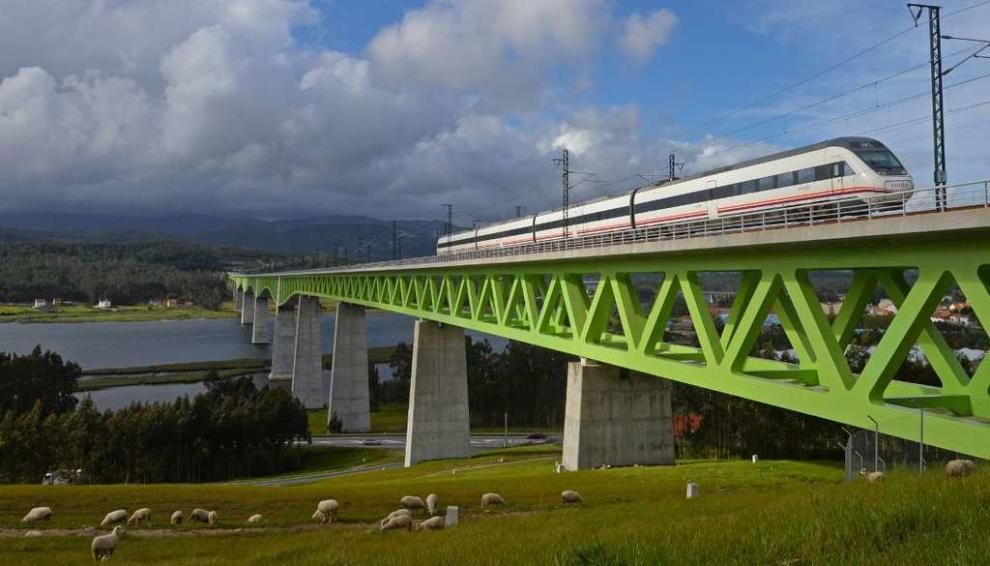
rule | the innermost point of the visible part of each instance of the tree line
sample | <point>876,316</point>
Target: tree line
<point>126,273</point>
<point>231,430</point>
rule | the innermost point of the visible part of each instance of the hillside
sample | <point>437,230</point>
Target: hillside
<point>768,513</point>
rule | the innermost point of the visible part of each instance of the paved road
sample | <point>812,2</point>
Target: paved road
<point>478,441</point>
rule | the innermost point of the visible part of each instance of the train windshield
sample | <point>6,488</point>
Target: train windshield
<point>881,160</point>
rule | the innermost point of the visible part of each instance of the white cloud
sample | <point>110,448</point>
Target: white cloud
<point>643,34</point>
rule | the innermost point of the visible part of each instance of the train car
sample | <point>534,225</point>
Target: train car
<point>843,168</point>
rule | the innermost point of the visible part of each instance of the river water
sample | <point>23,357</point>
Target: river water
<point>126,344</point>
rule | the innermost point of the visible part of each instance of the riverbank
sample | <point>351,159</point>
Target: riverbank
<point>192,372</point>
<point>128,313</point>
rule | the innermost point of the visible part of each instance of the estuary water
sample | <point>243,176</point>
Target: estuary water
<point>96,345</point>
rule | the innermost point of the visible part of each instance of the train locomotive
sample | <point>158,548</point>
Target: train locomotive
<point>846,168</point>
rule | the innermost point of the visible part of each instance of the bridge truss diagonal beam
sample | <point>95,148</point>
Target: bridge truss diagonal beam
<point>591,308</point>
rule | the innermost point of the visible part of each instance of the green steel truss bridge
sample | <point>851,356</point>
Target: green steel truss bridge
<point>584,297</point>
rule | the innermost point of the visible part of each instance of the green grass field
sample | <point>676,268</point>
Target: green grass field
<point>767,513</point>
<point>88,313</point>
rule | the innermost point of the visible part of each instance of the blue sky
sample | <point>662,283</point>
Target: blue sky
<point>279,108</point>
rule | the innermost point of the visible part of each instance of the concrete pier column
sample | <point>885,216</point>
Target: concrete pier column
<point>259,333</point>
<point>438,425</point>
<point>307,364</point>
<point>616,417</point>
<point>283,346</point>
<point>349,397</point>
<point>238,300</point>
<point>247,310</point>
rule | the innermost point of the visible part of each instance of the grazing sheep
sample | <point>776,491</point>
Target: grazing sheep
<point>213,518</point>
<point>395,514</point>
<point>200,515</point>
<point>142,515</point>
<point>104,545</point>
<point>256,518</point>
<point>326,511</point>
<point>959,468</point>
<point>872,477</point>
<point>431,503</point>
<point>570,496</point>
<point>401,521</point>
<point>114,517</point>
<point>38,514</point>
<point>176,518</point>
<point>491,499</point>
<point>433,523</point>
<point>412,502</point>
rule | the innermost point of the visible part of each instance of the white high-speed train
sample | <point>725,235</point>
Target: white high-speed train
<point>842,168</point>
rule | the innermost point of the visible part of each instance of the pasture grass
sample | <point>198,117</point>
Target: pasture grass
<point>125,313</point>
<point>768,513</point>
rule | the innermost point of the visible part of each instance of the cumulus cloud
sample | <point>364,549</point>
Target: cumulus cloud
<point>643,34</point>
<point>210,105</point>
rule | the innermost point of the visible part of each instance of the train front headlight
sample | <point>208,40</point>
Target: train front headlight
<point>896,186</point>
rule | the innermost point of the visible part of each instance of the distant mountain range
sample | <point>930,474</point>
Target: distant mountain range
<point>353,236</point>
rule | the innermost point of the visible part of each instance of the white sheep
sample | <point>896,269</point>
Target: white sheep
<point>491,499</point>
<point>872,477</point>
<point>176,518</point>
<point>401,521</point>
<point>412,502</point>
<point>570,496</point>
<point>256,518</point>
<point>326,511</point>
<point>431,503</point>
<point>213,518</point>
<point>38,514</point>
<point>959,468</point>
<point>114,517</point>
<point>433,523</point>
<point>395,514</point>
<point>104,545</point>
<point>33,533</point>
<point>142,515</point>
<point>200,515</point>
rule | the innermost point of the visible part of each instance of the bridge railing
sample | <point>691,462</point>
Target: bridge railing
<point>886,205</point>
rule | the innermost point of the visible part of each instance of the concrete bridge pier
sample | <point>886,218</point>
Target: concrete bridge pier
<point>616,417</point>
<point>349,397</point>
<point>238,299</point>
<point>283,347</point>
<point>247,309</point>
<point>307,363</point>
<point>438,424</point>
<point>259,333</point>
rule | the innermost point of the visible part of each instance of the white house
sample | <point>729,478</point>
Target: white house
<point>104,304</point>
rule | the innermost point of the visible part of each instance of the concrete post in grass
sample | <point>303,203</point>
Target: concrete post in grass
<point>307,362</point>
<point>350,400</point>
<point>259,333</point>
<point>283,346</point>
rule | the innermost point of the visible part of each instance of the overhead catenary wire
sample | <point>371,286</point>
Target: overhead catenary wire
<point>824,71</point>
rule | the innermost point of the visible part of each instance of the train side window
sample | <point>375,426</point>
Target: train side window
<point>806,175</point>
<point>767,183</point>
<point>847,169</point>
<point>785,180</point>
<point>823,173</point>
<point>747,187</point>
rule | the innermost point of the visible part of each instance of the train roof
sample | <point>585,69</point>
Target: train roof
<point>846,142</point>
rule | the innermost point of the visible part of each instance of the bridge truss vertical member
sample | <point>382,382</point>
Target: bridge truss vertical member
<point>544,301</point>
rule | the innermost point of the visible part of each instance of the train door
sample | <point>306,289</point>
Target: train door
<point>711,202</point>
<point>836,169</point>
